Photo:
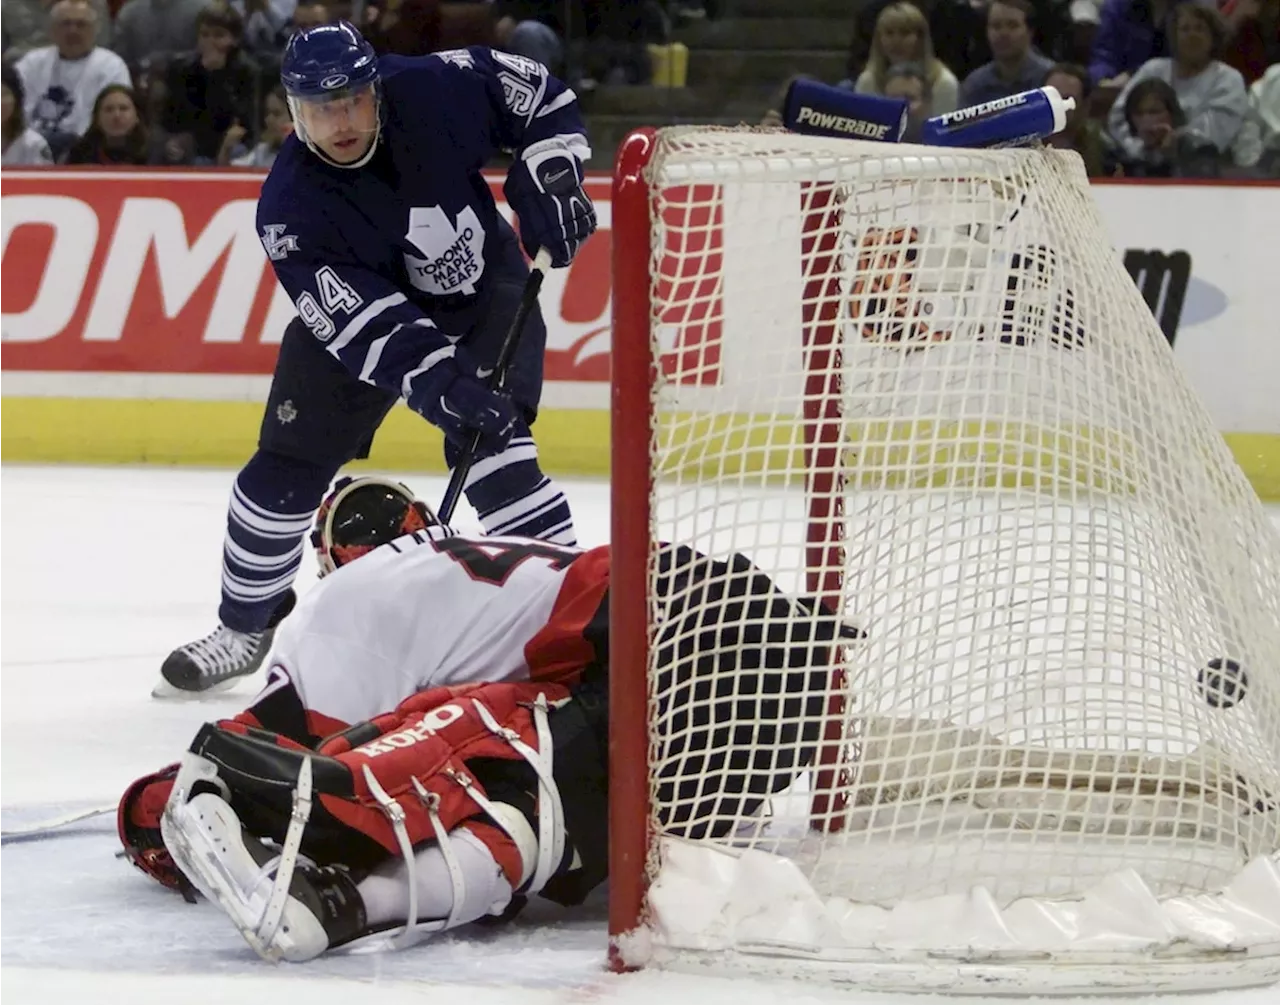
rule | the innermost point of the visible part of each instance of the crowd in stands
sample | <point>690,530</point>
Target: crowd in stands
<point>1163,88</point>
<point>182,82</point>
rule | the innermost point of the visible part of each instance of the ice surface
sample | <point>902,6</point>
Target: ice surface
<point>102,572</point>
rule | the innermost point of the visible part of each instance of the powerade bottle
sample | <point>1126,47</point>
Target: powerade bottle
<point>1006,122</point>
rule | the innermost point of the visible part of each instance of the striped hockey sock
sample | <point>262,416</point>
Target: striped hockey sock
<point>514,497</point>
<point>272,504</point>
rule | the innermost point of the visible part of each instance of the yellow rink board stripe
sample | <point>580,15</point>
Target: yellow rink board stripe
<point>570,442</point>
<point>225,433</point>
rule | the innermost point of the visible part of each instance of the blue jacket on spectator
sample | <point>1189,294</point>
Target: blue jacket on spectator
<point>1126,38</point>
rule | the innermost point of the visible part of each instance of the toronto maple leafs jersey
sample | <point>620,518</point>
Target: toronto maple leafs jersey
<point>373,257</point>
<point>433,609</point>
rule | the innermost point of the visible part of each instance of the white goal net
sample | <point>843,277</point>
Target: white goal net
<point>917,387</point>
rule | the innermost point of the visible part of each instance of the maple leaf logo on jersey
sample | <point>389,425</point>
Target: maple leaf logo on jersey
<point>452,251</point>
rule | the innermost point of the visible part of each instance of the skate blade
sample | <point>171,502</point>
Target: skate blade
<point>197,855</point>
<point>166,691</point>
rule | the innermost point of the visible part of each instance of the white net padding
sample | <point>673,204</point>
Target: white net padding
<point>918,385</point>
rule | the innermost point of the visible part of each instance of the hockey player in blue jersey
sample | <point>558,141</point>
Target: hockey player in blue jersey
<point>405,277</point>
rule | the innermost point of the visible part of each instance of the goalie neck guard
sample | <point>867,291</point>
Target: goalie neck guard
<point>361,513</point>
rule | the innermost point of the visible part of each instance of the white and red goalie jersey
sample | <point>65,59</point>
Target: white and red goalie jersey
<point>430,609</point>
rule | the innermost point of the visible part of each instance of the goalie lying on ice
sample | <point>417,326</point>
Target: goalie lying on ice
<point>465,800</point>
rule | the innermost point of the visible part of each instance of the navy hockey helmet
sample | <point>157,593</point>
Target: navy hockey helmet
<point>326,66</point>
<point>361,513</point>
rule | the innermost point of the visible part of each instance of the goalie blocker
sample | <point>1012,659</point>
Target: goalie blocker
<point>464,801</point>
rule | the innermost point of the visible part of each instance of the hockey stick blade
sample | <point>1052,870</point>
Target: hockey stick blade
<point>45,828</point>
<point>497,379</point>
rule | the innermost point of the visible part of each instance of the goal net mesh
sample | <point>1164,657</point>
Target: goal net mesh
<point>918,386</point>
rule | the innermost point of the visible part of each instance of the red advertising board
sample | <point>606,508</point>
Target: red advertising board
<point>162,272</point>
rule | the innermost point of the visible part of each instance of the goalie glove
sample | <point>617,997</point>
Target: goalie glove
<point>545,189</point>
<point>138,823</point>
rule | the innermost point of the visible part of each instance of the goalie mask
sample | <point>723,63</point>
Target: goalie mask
<point>362,513</point>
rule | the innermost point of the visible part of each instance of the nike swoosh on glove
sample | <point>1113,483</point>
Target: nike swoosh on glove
<point>456,401</point>
<point>545,189</point>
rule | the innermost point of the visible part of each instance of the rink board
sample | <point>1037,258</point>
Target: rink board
<point>223,433</point>
<point>152,341</point>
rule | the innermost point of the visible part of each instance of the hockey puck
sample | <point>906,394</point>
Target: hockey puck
<point>1223,683</point>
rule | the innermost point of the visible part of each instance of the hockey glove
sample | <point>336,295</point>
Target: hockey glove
<point>451,396</point>
<point>545,189</point>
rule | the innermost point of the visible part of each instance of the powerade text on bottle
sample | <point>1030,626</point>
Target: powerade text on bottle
<point>1006,122</point>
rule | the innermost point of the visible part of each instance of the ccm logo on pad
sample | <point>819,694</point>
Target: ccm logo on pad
<point>430,724</point>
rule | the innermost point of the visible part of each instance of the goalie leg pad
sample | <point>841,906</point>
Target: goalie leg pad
<point>417,757</point>
<point>259,771</point>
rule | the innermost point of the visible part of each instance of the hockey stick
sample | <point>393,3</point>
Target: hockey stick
<point>45,827</point>
<point>497,379</point>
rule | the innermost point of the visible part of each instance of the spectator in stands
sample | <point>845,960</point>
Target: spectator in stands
<point>62,81</point>
<point>1084,15</point>
<point>1256,150</point>
<point>358,12</point>
<point>1082,134</point>
<point>531,28</point>
<point>1253,36</point>
<point>902,36</point>
<point>26,26</point>
<point>118,134</point>
<point>617,34</point>
<point>1015,64</point>
<point>266,26</point>
<point>212,89</point>
<point>22,146</point>
<point>1130,32</point>
<point>910,81</point>
<point>310,14</point>
<point>276,127</point>
<point>959,32</point>
<point>1211,94</point>
<point>406,27</point>
<point>156,30</point>
<point>1153,118</point>
<point>1258,147</point>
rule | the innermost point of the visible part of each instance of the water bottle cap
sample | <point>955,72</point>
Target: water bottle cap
<point>1059,105</point>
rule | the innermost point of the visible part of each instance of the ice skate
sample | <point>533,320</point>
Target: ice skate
<point>215,662</point>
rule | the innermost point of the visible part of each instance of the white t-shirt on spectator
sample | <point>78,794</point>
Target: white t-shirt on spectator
<point>27,149</point>
<point>60,92</point>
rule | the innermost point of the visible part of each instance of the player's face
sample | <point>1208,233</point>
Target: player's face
<point>343,128</point>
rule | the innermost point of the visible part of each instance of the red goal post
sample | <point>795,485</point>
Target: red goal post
<point>633,368</point>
